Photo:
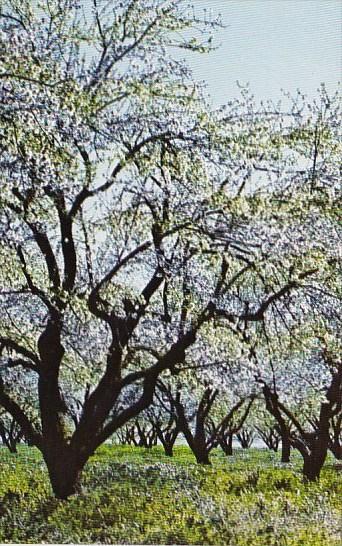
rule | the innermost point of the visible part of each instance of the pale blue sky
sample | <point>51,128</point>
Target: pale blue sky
<point>272,44</point>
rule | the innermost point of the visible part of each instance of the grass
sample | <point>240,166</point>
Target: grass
<point>140,496</point>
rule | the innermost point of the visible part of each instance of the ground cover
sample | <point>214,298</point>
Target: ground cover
<point>140,496</point>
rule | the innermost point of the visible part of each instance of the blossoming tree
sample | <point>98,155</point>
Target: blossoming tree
<point>125,216</point>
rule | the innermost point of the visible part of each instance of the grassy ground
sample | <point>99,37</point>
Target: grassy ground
<point>138,496</point>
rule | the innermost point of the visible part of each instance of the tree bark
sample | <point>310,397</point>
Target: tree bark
<point>285,448</point>
<point>226,444</point>
<point>168,449</point>
<point>313,464</point>
<point>201,454</point>
<point>336,450</point>
<point>64,471</point>
<point>312,468</point>
<point>335,444</point>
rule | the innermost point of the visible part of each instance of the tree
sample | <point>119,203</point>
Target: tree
<point>163,417</point>
<point>266,427</point>
<point>231,425</point>
<point>125,225</point>
<point>192,418</point>
<point>305,393</point>
<point>282,421</point>
<point>270,436</point>
<point>10,432</point>
<point>245,437</point>
<point>107,174</point>
<point>206,407</point>
<point>95,176</point>
<point>126,435</point>
<point>305,316</point>
<point>314,446</point>
<point>143,434</point>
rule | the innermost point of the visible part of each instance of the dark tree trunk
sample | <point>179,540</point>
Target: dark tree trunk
<point>64,472</point>
<point>197,445</point>
<point>168,449</point>
<point>10,436</point>
<point>336,450</point>
<point>147,437</point>
<point>201,453</point>
<point>226,444</point>
<point>272,405</point>
<point>64,482</point>
<point>197,440</point>
<point>285,448</point>
<point>312,468</point>
<point>318,446</point>
<point>12,446</point>
<point>315,459</point>
<point>245,438</point>
<point>167,440</point>
<point>230,445</point>
<point>335,444</point>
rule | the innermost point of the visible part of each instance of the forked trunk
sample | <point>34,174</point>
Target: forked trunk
<point>197,445</point>
<point>170,440</point>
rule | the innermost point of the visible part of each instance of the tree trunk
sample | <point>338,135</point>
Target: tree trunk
<point>167,438</point>
<point>9,443</point>
<point>335,445</point>
<point>226,445</point>
<point>168,449</point>
<point>336,450</point>
<point>313,463</point>
<point>12,446</point>
<point>285,449</point>
<point>197,444</point>
<point>64,472</point>
<point>312,467</point>
<point>230,445</point>
<point>64,483</point>
<point>245,438</point>
<point>201,453</point>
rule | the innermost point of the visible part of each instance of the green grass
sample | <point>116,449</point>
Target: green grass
<point>139,496</point>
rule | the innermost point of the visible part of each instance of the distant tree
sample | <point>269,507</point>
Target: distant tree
<point>245,437</point>
<point>144,433</point>
<point>266,427</point>
<point>10,432</point>
<point>163,417</point>
<point>205,410</point>
<point>270,436</point>
<point>309,401</point>
<point>231,425</point>
<point>126,435</point>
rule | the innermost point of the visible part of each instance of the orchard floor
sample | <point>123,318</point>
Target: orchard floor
<point>139,496</point>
